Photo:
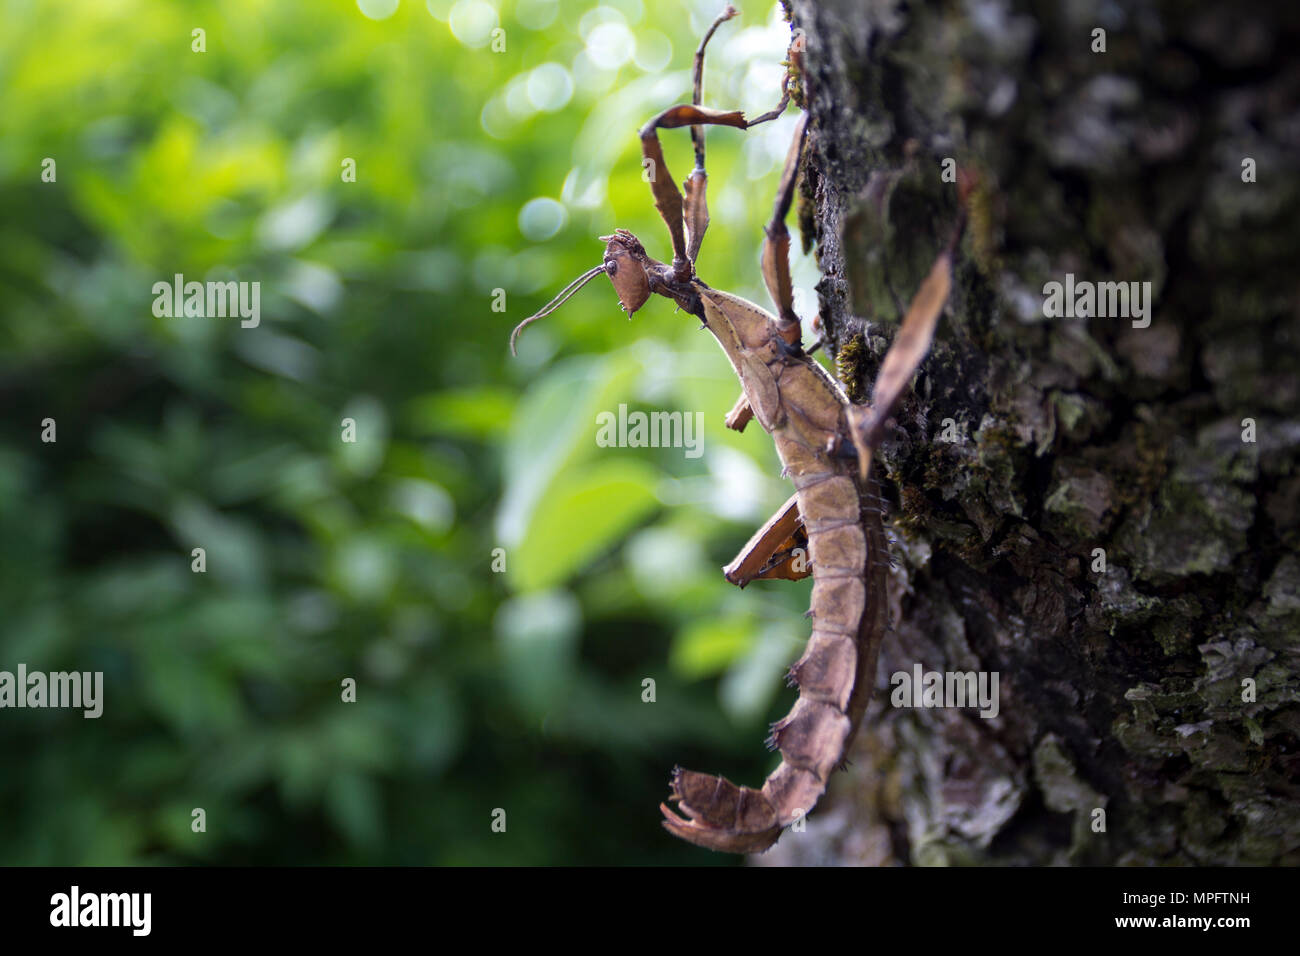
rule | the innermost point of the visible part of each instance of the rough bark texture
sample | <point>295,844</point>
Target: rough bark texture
<point>1120,690</point>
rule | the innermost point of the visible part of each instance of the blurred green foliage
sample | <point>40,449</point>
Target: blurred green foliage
<point>476,170</point>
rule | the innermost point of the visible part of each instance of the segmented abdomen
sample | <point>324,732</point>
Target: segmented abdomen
<point>835,672</point>
<point>795,400</point>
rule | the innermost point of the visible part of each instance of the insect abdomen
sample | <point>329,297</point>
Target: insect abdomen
<point>804,410</point>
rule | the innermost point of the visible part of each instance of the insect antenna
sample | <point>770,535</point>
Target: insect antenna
<point>555,303</point>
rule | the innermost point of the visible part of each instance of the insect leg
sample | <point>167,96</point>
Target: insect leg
<point>770,552</point>
<point>687,219</point>
<point>668,198</point>
<point>740,414</point>
<point>776,241</point>
<point>776,257</point>
<point>696,185</point>
<point>910,345</point>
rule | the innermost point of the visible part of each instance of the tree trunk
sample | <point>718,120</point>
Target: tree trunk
<point>1109,519</point>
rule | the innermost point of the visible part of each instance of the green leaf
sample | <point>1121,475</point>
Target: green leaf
<point>480,413</point>
<point>555,429</point>
<point>580,517</point>
<point>707,647</point>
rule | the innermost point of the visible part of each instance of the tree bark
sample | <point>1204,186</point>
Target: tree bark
<point>1148,712</point>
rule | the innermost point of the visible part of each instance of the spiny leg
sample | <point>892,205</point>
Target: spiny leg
<point>688,218</point>
<point>776,241</point>
<point>697,89</point>
<point>668,198</point>
<point>696,185</point>
<point>776,261</point>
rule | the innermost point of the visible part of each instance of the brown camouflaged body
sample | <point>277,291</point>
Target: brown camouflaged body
<point>804,409</point>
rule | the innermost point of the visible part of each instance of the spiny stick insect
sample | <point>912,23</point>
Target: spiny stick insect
<point>826,445</point>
